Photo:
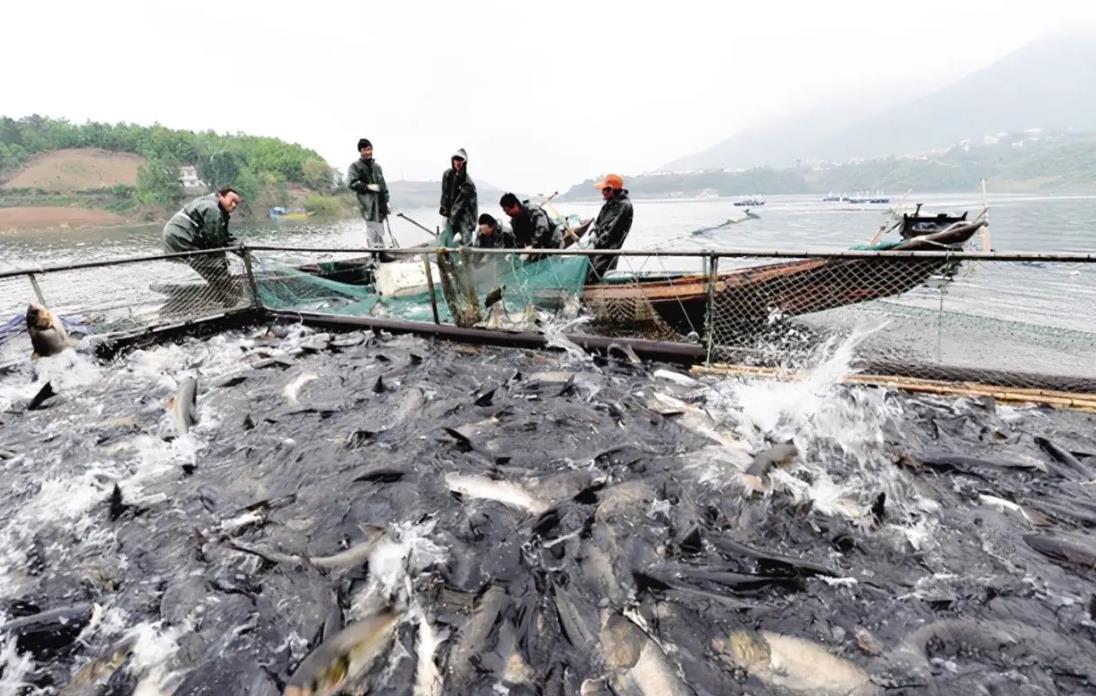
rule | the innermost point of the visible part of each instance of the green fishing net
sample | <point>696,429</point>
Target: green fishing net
<point>467,287</point>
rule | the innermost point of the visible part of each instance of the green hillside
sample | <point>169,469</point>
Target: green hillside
<point>254,165</point>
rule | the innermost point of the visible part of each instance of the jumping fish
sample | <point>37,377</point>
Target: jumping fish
<point>343,658</point>
<point>183,406</point>
<point>505,492</point>
<point>47,333</point>
<point>794,664</point>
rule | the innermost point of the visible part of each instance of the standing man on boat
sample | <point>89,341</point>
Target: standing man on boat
<point>203,224</point>
<point>532,226</point>
<point>612,225</point>
<point>366,179</point>
<point>459,205</point>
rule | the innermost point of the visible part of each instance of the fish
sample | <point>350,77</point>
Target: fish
<point>756,476</point>
<point>291,390</point>
<point>45,393</point>
<point>356,554</point>
<point>493,296</point>
<point>639,664</point>
<point>1001,505</point>
<point>1069,465</point>
<point>983,468</point>
<point>234,675</point>
<point>677,378</point>
<point>768,562</point>
<point>342,659</point>
<point>1065,550</point>
<point>49,631</point>
<point>472,636</point>
<point>47,333</point>
<point>692,418</point>
<point>794,664</point>
<point>117,507</point>
<point>505,492</point>
<point>428,678</point>
<point>625,350</point>
<point>92,679</point>
<point>183,406</point>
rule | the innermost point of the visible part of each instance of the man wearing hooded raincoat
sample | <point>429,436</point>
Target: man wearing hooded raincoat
<point>459,206</point>
<point>202,224</point>
<point>612,225</point>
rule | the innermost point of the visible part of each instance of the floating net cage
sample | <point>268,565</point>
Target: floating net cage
<point>1022,322</point>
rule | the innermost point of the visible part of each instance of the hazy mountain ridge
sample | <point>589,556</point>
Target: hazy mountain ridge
<point>1045,84</point>
<point>1019,162</point>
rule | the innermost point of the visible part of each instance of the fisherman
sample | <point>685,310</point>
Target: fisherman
<point>532,226</point>
<point>493,235</point>
<point>365,178</point>
<point>611,226</point>
<point>203,224</point>
<point>459,206</point>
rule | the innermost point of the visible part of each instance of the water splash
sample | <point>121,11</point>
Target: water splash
<point>14,669</point>
<point>838,429</point>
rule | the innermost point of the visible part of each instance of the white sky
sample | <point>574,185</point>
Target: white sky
<point>541,94</point>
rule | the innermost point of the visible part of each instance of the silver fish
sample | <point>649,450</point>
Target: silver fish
<point>505,492</point>
<point>343,658</point>
<point>183,406</point>
<point>47,333</point>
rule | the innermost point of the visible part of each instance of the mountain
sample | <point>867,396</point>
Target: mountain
<point>1041,85</point>
<point>1048,161</point>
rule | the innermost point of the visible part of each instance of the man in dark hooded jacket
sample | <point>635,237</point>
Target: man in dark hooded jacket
<point>459,206</point>
<point>532,226</point>
<point>493,235</point>
<point>203,224</point>
<point>611,226</point>
<point>366,179</point>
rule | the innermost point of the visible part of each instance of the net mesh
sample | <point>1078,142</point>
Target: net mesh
<point>118,298</point>
<point>1011,323</point>
<point>469,288</point>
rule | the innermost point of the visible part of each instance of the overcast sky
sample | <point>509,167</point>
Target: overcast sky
<point>541,94</point>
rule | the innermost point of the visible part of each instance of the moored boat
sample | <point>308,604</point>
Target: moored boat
<point>279,213</point>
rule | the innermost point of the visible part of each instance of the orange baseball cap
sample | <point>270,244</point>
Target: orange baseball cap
<point>610,181</point>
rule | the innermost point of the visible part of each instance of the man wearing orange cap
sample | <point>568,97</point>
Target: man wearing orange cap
<point>612,225</point>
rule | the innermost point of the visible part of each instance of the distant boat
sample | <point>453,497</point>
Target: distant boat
<point>750,202</point>
<point>868,199</point>
<point>830,198</point>
<point>279,213</point>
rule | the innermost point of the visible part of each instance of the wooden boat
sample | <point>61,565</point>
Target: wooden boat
<point>751,296</point>
<point>743,297</point>
<point>918,224</point>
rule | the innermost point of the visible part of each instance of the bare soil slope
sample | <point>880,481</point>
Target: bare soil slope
<point>66,171</point>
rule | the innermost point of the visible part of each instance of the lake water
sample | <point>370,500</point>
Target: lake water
<point>987,304</point>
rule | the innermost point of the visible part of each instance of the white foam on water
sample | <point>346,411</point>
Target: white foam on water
<point>554,337</point>
<point>406,550</point>
<point>838,430</point>
<point>14,669</point>
<point>153,649</point>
